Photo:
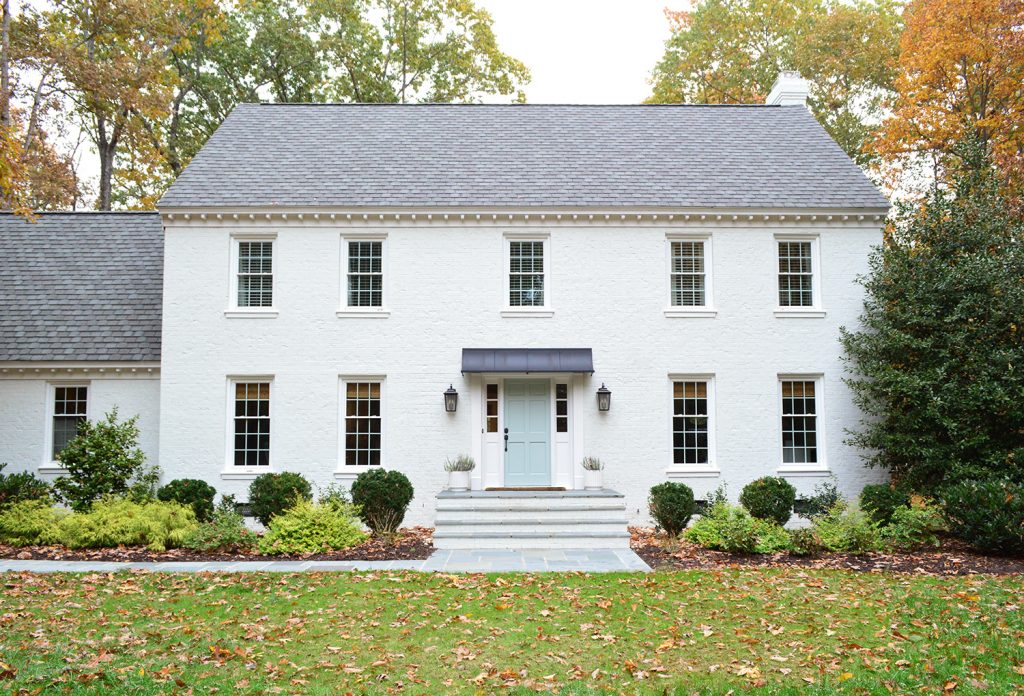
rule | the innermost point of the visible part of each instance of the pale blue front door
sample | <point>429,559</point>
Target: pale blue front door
<point>528,433</point>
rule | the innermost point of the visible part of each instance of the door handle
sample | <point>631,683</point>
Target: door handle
<point>506,439</point>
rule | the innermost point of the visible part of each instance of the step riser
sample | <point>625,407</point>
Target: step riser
<point>531,504</point>
<point>495,516</point>
<point>518,544</point>
<point>511,528</point>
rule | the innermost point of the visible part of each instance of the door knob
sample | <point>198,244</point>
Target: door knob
<point>506,439</point>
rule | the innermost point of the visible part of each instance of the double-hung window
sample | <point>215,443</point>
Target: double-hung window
<point>801,441</point>
<point>255,274</point>
<point>527,276</point>
<point>365,287</point>
<point>70,409</point>
<point>251,424</point>
<point>363,422</point>
<point>692,410</point>
<point>689,276</point>
<point>798,276</point>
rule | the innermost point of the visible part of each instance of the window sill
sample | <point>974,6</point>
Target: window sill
<point>52,468</point>
<point>345,475</point>
<point>788,470</point>
<point>692,472</point>
<point>268,313</point>
<point>693,313</point>
<point>245,474</point>
<point>525,312</point>
<point>784,313</point>
<point>363,313</point>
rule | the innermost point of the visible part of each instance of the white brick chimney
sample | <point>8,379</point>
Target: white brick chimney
<point>789,90</point>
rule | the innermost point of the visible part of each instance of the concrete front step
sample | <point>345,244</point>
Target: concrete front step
<point>526,540</point>
<point>532,526</point>
<point>496,515</point>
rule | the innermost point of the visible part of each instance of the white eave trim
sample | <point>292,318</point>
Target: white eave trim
<point>95,370</point>
<point>359,217</point>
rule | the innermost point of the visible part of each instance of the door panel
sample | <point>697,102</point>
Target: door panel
<point>528,419</point>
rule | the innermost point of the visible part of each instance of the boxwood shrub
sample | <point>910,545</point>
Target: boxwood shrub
<point>21,485</point>
<point>671,505</point>
<point>769,498</point>
<point>987,514</point>
<point>880,500</point>
<point>272,494</point>
<point>197,494</point>
<point>382,497</point>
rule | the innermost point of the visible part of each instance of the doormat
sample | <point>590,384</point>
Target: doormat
<point>528,488</point>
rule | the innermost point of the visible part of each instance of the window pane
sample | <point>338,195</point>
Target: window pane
<point>252,424</point>
<point>362,423</point>
<point>687,276</point>
<point>255,274</point>
<point>795,275</point>
<point>690,424</point>
<point>799,422</point>
<point>365,274</point>
<point>526,274</point>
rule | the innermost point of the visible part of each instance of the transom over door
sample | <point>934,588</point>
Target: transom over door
<point>528,433</point>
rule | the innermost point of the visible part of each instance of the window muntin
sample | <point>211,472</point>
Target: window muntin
<point>796,274</point>
<point>799,422</point>
<point>688,274</point>
<point>492,407</point>
<point>561,408</point>
<point>362,423</point>
<point>690,422</point>
<point>252,424</point>
<point>526,274</point>
<point>255,274</point>
<point>70,409</point>
<point>366,274</point>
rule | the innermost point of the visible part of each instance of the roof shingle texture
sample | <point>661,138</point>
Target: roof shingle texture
<point>643,156</point>
<point>81,287</point>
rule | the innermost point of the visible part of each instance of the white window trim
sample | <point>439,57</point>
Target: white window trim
<point>817,310</point>
<point>234,311</point>
<point>232,472</point>
<point>707,310</point>
<point>710,469</point>
<point>344,472</point>
<point>536,312</point>
<point>819,467</point>
<point>50,465</point>
<point>344,311</point>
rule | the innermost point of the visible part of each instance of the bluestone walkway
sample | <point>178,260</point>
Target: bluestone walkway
<point>441,561</point>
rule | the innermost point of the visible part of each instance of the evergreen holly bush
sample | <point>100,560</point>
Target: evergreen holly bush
<point>382,497</point>
<point>671,505</point>
<point>196,494</point>
<point>101,461</point>
<point>880,500</point>
<point>987,514</point>
<point>936,366</point>
<point>272,494</point>
<point>769,498</point>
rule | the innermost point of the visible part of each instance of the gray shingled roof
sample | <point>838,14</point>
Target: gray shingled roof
<point>81,286</point>
<point>388,155</point>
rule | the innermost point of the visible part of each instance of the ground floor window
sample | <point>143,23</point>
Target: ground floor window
<point>70,408</point>
<point>252,424</point>
<point>561,408</point>
<point>799,422</point>
<point>363,423</point>
<point>690,422</point>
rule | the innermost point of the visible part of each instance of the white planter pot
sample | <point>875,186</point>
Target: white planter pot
<point>593,479</point>
<point>459,480</point>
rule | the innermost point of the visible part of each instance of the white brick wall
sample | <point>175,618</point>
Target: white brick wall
<point>608,290</point>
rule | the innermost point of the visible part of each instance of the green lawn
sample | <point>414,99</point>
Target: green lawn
<point>787,631</point>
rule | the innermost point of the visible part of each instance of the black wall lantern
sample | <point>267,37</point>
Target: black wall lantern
<point>451,399</point>
<point>604,398</point>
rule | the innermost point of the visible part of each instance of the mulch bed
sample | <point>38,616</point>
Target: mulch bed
<point>951,558</point>
<point>413,543</point>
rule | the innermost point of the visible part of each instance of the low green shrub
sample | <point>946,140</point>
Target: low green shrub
<point>671,505</point>
<point>21,485</point>
<point>196,494</point>
<point>730,528</point>
<point>769,498</point>
<point>987,514</point>
<point>29,522</point>
<point>825,496</point>
<point>382,497</point>
<point>272,494</point>
<point>114,522</point>
<point>805,542</point>
<point>309,527</point>
<point>335,495</point>
<point>224,531</point>
<point>847,528</point>
<point>145,484</point>
<point>880,500</point>
<point>913,526</point>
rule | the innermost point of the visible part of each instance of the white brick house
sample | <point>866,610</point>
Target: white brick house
<point>330,270</point>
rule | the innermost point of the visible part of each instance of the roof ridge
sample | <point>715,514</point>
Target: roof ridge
<point>560,105</point>
<point>41,213</point>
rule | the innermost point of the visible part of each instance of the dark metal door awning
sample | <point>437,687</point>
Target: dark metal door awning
<point>527,360</point>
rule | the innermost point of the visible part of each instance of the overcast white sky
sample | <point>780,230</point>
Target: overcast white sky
<point>584,51</point>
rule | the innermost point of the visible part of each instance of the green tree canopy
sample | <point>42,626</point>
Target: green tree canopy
<point>731,51</point>
<point>939,362</point>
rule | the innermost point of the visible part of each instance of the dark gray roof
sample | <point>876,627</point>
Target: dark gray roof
<point>81,286</point>
<point>527,360</point>
<point>435,155</point>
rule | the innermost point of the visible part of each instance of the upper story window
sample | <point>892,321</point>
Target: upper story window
<point>255,274</point>
<point>70,409</point>
<point>366,273</point>
<point>687,274</point>
<point>526,274</point>
<point>799,421</point>
<point>251,445</point>
<point>796,273</point>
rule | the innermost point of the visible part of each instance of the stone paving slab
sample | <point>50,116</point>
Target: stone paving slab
<point>441,561</point>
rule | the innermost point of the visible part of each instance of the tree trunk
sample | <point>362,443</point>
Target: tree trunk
<point>106,146</point>
<point>5,67</point>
